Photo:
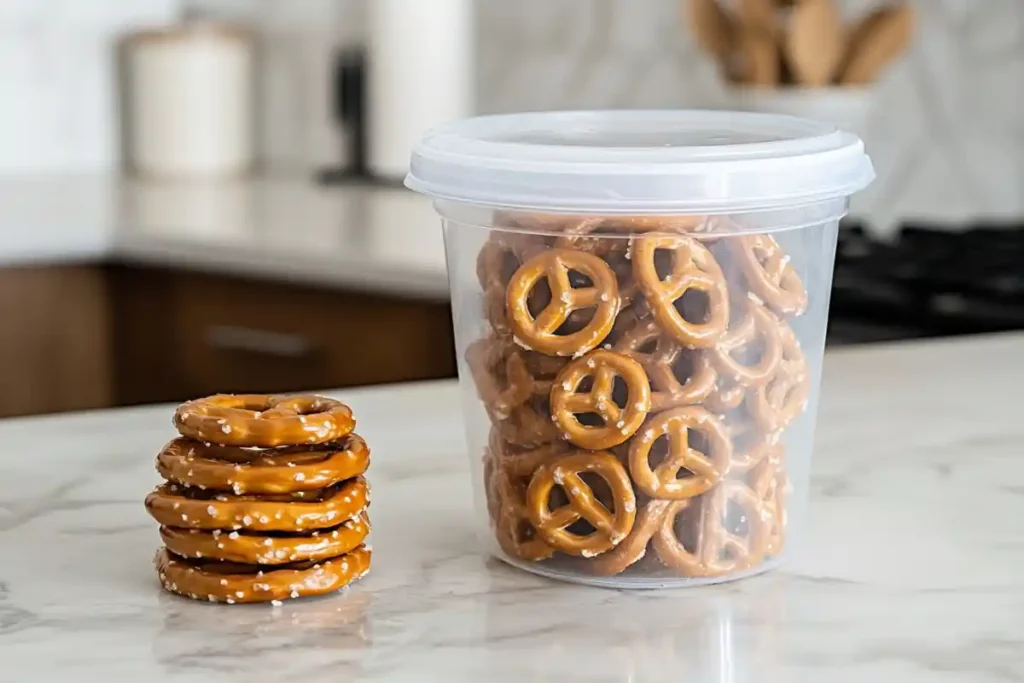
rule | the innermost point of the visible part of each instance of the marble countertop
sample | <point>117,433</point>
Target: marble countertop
<point>354,236</point>
<point>911,569</point>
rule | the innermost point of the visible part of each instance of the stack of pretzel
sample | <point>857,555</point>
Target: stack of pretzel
<point>264,499</point>
<point>638,376</point>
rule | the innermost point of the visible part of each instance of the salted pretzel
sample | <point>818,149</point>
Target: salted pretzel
<point>541,332</point>
<point>678,376</point>
<point>751,445</point>
<point>702,469</point>
<point>267,549</point>
<point>191,508</point>
<point>555,525</point>
<point>599,369</point>
<point>750,349</point>
<point>503,379</point>
<point>769,273</point>
<point>264,421</point>
<point>240,583</point>
<point>784,396</point>
<point>769,482</point>
<point>243,470</point>
<point>693,269</point>
<point>722,545</point>
<point>530,424</point>
<point>513,529</point>
<point>726,395</point>
<point>634,547</point>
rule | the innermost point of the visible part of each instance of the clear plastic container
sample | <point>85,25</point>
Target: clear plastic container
<point>640,302</point>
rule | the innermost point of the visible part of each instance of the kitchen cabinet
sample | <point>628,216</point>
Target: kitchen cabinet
<point>91,337</point>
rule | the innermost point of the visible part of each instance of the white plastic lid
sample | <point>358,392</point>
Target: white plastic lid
<point>639,162</point>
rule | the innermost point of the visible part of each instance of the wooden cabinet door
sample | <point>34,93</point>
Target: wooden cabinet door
<point>54,340</point>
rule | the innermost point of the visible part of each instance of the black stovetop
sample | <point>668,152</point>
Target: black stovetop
<point>927,282</point>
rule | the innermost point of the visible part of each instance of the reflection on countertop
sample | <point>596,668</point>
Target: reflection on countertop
<point>909,571</point>
<point>360,236</point>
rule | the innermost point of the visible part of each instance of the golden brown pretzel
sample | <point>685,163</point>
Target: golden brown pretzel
<point>530,424</point>
<point>721,545</point>
<point>678,376</point>
<point>503,379</point>
<point>605,235</point>
<point>750,350</point>
<point>282,470</point>
<point>610,528</point>
<point>634,547</point>
<point>600,368</point>
<point>264,421</point>
<point>513,529</point>
<point>769,483</point>
<point>769,273</point>
<point>693,269</point>
<point>784,397</point>
<point>239,583</point>
<point>541,332</point>
<point>727,395</point>
<point>704,469</point>
<point>750,444</point>
<point>256,548</point>
<point>191,508</point>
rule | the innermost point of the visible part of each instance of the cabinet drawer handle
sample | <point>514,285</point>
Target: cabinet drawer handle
<point>266,342</point>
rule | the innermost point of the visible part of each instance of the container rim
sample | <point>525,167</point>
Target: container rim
<point>639,161</point>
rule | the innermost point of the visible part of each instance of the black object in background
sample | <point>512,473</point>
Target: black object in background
<point>349,112</point>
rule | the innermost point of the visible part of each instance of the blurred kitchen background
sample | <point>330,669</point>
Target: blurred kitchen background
<point>202,195</point>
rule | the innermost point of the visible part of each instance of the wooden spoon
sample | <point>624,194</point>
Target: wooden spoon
<point>876,41</point>
<point>815,45</point>
<point>713,29</point>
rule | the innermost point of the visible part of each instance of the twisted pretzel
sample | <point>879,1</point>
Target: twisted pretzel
<point>722,545</point>
<point>750,350</point>
<point>190,508</point>
<point>255,548</point>
<point>750,444</point>
<point>503,380</point>
<point>784,397</point>
<point>541,332</point>
<point>634,547</point>
<point>286,470</point>
<point>770,275</point>
<point>237,583</point>
<point>513,529</point>
<point>769,483</point>
<point>601,368</point>
<point>530,424</point>
<point>553,524</point>
<point>703,470</point>
<point>264,421</point>
<point>678,376</point>
<point>693,268</point>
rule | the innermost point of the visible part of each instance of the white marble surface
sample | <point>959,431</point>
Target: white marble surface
<point>288,227</point>
<point>911,570</point>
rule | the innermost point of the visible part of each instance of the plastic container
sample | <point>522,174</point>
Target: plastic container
<point>640,301</point>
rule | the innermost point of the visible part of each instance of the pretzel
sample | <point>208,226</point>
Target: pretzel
<point>191,508</point>
<point>769,273</point>
<point>256,548</point>
<point>750,350</point>
<point>634,547</point>
<point>601,368</point>
<point>238,583</point>
<point>285,470</point>
<point>503,380</point>
<point>678,376</point>
<point>769,483</point>
<point>530,424</point>
<point>721,545</point>
<point>264,421</point>
<point>727,395</point>
<point>513,529</point>
<point>553,525</point>
<point>693,268</point>
<point>784,397</point>
<point>750,444</point>
<point>704,470</point>
<point>541,333</point>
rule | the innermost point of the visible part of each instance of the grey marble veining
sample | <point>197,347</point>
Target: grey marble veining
<point>910,570</point>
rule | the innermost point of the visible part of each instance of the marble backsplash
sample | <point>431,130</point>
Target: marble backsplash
<point>947,130</point>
